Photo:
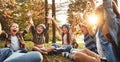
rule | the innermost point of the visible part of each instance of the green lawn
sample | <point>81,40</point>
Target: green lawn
<point>47,58</point>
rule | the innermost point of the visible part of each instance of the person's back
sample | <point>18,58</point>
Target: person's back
<point>90,43</point>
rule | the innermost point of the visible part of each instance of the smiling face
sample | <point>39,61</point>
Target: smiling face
<point>39,29</point>
<point>64,29</point>
<point>14,28</point>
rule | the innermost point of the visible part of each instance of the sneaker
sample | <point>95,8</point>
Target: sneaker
<point>65,54</point>
<point>68,55</point>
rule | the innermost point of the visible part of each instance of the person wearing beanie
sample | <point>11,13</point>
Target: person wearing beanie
<point>39,36</point>
<point>66,33</point>
<point>89,53</point>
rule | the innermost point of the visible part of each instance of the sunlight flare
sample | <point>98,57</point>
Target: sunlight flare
<point>92,19</point>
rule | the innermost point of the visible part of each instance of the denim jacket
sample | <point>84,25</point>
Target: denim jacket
<point>112,21</point>
<point>113,24</point>
<point>107,47</point>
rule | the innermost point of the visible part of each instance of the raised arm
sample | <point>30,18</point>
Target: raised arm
<point>111,19</point>
<point>31,23</point>
<point>47,27</point>
<point>56,24</point>
<point>88,26</point>
<point>26,29</point>
<point>92,3</point>
<point>74,22</point>
<point>110,16</point>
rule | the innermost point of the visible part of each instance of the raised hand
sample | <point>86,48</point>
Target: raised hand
<point>92,2</point>
<point>50,18</point>
<point>30,17</point>
<point>77,16</point>
<point>29,14</point>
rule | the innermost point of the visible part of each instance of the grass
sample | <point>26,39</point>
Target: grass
<point>47,58</point>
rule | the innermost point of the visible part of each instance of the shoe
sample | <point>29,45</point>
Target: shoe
<point>68,55</point>
<point>65,54</point>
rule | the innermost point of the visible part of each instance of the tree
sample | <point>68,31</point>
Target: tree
<point>53,25</point>
<point>46,20</point>
<point>16,11</point>
<point>77,6</point>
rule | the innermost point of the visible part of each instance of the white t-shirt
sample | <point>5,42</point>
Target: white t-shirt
<point>99,47</point>
<point>15,45</point>
<point>65,37</point>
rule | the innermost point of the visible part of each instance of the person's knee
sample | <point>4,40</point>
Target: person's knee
<point>76,55</point>
<point>37,56</point>
<point>86,51</point>
<point>41,57</point>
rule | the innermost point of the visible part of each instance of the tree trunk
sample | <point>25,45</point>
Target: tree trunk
<point>53,25</point>
<point>46,20</point>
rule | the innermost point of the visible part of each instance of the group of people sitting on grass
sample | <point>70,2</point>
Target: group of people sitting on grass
<point>102,45</point>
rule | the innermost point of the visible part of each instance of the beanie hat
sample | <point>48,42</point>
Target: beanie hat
<point>42,25</point>
<point>67,26</point>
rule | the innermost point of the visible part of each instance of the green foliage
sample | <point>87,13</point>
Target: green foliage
<point>77,6</point>
<point>28,37</point>
<point>16,10</point>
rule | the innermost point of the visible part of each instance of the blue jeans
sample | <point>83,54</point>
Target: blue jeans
<point>22,50</point>
<point>25,57</point>
<point>5,53</point>
<point>63,48</point>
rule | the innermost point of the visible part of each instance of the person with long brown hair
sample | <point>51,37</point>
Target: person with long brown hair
<point>67,35</point>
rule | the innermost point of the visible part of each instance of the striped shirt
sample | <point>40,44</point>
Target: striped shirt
<point>90,43</point>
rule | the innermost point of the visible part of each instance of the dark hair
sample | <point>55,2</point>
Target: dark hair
<point>67,26</point>
<point>68,34</point>
<point>68,38</point>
